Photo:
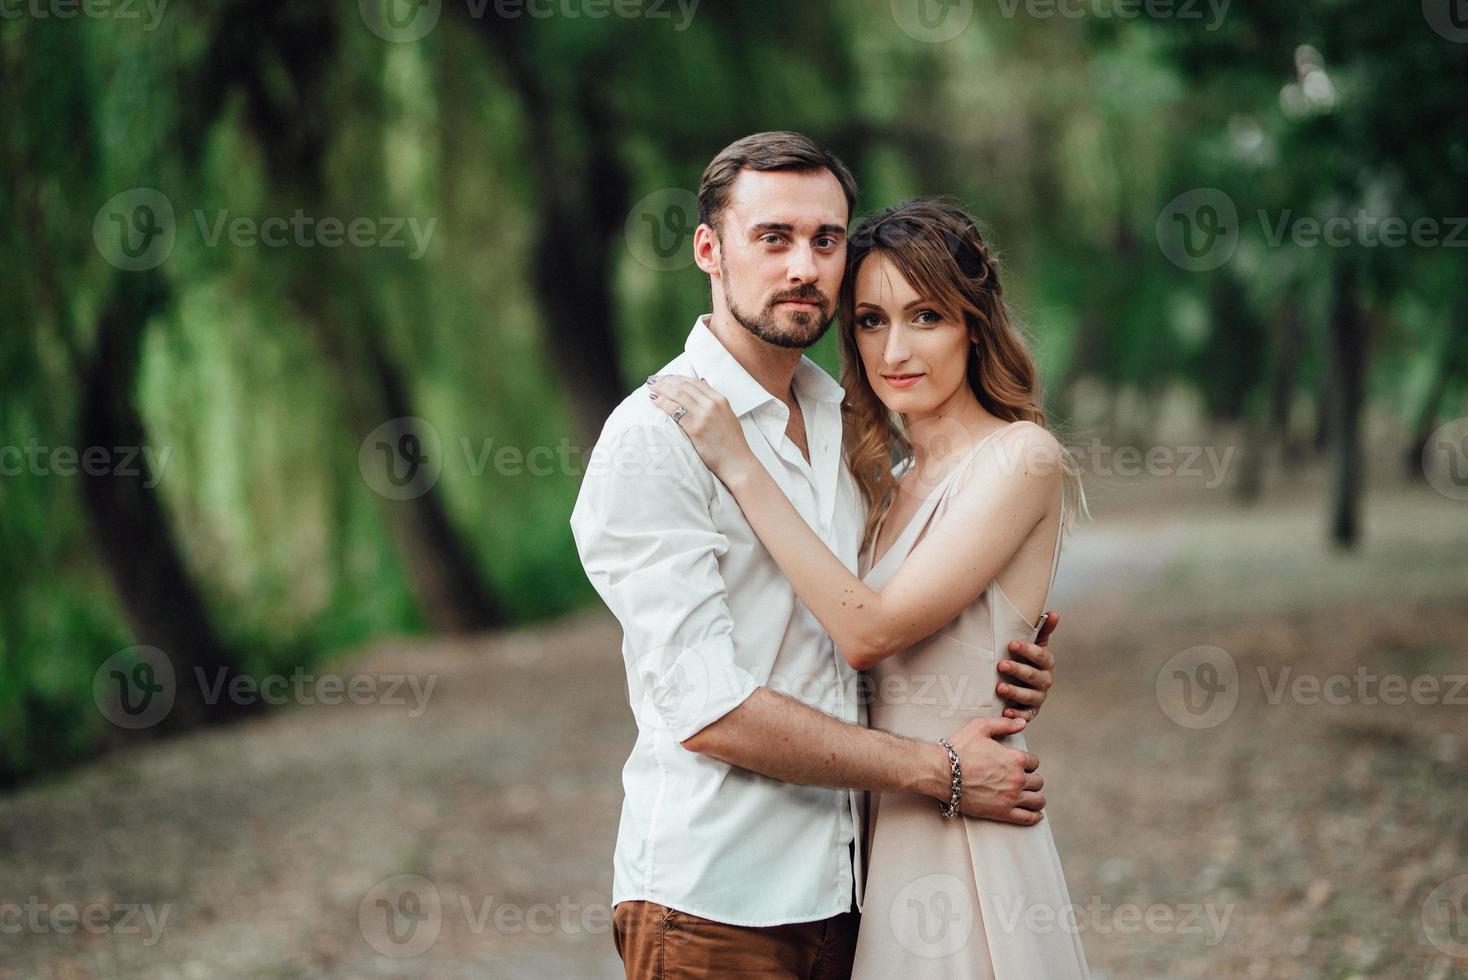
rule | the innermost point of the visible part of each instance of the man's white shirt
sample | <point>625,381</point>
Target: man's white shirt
<point>707,617</point>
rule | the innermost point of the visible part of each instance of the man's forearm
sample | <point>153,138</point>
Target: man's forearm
<point>785,739</point>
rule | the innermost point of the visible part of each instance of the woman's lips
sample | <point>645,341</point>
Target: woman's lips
<point>902,380</point>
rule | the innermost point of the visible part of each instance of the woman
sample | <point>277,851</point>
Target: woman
<point>961,545</point>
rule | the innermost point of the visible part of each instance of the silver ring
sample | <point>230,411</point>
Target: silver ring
<point>682,411</point>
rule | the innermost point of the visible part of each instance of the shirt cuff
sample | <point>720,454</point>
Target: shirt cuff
<point>702,686</point>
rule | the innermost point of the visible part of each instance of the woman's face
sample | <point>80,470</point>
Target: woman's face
<point>915,355</point>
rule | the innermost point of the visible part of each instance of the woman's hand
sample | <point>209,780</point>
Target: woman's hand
<point>709,422</point>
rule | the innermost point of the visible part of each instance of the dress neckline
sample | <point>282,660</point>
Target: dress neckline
<point>933,495</point>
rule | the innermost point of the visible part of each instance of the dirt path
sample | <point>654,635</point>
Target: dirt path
<point>1288,839</point>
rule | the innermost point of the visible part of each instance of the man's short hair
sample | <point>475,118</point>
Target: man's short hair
<point>766,152</point>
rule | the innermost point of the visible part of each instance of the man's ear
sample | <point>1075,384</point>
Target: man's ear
<point>706,249</point>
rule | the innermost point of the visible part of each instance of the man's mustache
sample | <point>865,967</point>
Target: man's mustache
<point>808,295</point>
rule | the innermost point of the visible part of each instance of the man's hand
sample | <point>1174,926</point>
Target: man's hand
<point>1027,679</point>
<point>999,782</point>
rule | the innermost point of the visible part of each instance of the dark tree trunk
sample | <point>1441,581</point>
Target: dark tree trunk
<point>1289,337</point>
<point>1269,411</point>
<point>293,125</point>
<point>1347,385</point>
<point>581,191</point>
<point>159,598</point>
<point>440,569</point>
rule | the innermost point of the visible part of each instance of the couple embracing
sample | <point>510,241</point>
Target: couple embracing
<point>831,658</point>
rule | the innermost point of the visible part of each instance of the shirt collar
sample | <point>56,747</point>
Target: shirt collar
<point>713,362</point>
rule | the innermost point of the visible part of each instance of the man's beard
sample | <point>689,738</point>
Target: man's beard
<point>806,329</point>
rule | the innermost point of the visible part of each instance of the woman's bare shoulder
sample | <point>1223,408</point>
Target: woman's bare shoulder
<point>1023,456</point>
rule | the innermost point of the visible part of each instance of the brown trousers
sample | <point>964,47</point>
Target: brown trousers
<point>661,943</point>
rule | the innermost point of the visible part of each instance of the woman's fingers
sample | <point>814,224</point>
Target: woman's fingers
<point>688,390</point>
<point>668,395</point>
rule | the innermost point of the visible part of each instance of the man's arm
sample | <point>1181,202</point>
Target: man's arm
<point>786,739</point>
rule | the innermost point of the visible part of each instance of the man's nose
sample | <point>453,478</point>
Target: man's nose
<point>803,264</point>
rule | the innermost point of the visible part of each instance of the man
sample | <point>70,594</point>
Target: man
<point>737,852</point>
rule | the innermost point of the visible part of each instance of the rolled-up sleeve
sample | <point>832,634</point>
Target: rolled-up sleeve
<point>648,542</point>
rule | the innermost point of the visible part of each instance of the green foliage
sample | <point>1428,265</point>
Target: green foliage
<point>1066,140</point>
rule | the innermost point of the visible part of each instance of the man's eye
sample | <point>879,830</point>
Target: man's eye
<point>826,242</point>
<point>771,239</point>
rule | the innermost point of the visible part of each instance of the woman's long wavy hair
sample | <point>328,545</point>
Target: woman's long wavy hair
<point>939,250</point>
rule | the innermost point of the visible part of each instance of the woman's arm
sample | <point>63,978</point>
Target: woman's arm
<point>986,524</point>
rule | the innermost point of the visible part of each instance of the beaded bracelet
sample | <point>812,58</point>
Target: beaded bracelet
<point>950,809</point>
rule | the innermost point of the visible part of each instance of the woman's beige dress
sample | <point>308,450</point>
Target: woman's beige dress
<point>957,898</point>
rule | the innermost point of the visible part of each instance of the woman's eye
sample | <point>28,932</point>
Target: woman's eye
<point>870,320</point>
<point>929,317</point>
